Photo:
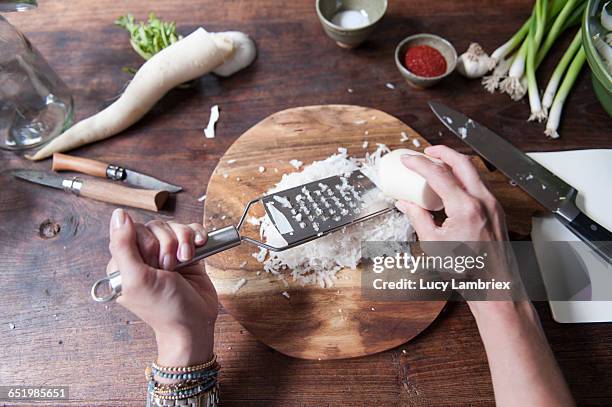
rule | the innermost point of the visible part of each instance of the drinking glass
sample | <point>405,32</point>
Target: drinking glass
<point>35,105</point>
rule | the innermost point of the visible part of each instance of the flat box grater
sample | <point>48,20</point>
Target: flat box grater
<point>300,214</point>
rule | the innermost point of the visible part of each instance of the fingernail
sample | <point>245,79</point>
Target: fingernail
<point>199,238</point>
<point>118,218</point>
<point>167,262</point>
<point>185,252</point>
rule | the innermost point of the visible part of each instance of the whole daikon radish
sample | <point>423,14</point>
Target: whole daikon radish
<point>193,56</point>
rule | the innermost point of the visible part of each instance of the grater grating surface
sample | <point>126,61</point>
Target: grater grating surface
<point>300,214</point>
<point>315,209</point>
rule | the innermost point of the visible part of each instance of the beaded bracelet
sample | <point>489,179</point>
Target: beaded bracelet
<point>199,374</point>
<point>196,382</point>
<point>184,369</point>
<point>209,397</point>
<point>183,394</point>
<point>164,388</point>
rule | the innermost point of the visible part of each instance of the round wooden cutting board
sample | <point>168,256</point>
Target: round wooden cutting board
<point>314,322</point>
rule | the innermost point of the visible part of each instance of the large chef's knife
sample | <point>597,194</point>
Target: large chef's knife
<point>103,191</point>
<point>63,162</point>
<point>544,186</point>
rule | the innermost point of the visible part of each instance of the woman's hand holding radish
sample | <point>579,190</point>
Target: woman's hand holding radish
<point>473,213</point>
<point>516,346</point>
<point>180,306</point>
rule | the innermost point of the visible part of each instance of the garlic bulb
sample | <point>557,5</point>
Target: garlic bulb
<point>475,62</point>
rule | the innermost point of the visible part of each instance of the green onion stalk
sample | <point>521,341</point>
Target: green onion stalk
<point>555,79</point>
<point>509,46</point>
<point>506,48</point>
<point>512,83</point>
<point>574,19</point>
<point>569,79</point>
<point>557,28</point>
<point>516,81</point>
<point>536,33</point>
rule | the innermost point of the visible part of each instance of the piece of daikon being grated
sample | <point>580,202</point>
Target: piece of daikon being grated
<point>319,261</point>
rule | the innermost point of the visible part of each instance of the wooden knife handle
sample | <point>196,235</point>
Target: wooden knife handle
<point>151,200</point>
<point>63,162</point>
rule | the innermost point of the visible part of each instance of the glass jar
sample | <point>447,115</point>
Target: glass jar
<point>35,105</point>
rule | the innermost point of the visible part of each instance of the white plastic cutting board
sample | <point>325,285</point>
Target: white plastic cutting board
<point>590,172</point>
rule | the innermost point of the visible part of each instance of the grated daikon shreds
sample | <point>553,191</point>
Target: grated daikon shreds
<point>319,261</point>
<point>241,283</point>
<point>209,131</point>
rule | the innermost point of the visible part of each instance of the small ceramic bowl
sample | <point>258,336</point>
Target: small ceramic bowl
<point>350,37</point>
<point>446,49</point>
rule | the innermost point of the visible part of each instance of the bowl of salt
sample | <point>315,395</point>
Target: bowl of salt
<point>350,22</point>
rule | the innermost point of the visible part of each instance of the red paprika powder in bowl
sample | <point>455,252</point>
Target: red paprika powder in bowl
<point>425,59</point>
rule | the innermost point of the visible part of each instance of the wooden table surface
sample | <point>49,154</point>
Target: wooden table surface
<point>52,333</point>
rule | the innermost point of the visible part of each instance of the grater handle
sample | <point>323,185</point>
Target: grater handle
<point>218,241</point>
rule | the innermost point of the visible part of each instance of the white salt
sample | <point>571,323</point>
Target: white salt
<point>351,18</point>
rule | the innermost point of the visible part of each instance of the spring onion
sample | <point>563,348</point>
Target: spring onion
<point>568,82</point>
<point>492,82</point>
<point>555,79</point>
<point>576,17</point>
<point>512,83</point>
<point>536,33</point>
<point>555,30</point>
<point>506,48</point>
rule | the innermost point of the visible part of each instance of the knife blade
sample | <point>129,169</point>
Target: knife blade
<point>545,187</point>
<point>64,162</point>
<point>102,191</point>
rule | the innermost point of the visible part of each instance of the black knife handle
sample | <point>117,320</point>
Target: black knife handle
<point>593,234</point>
